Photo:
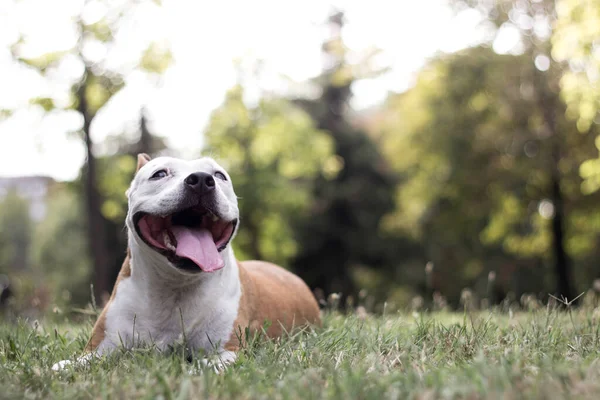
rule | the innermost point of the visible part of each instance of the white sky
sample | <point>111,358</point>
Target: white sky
<point>204,37</point>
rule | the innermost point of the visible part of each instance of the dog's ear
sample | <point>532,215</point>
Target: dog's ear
<point>143,158</point>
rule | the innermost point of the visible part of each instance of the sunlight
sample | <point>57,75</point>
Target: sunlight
<point>203,49</point>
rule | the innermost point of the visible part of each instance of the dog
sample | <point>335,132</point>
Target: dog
<point>180,281</point>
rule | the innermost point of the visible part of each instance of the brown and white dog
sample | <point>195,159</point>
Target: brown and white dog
<point>181,281</point>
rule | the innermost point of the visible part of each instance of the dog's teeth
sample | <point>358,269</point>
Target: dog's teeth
<point>214,218</point>
<point>167,241</point>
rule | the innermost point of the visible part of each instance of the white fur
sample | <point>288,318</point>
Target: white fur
<point>159,304</point>
<point>81,361</point>
<point>217,362</point>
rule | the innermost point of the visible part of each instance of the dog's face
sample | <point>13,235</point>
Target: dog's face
<point>185,210</point>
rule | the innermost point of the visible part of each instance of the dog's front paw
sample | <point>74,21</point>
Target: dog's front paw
<point>218,363</point>
<point>61,365</point>
<point>80,362</point>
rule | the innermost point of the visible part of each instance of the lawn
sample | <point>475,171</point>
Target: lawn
<point>543,354</point>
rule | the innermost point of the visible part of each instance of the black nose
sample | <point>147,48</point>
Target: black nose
<point>200,182</point>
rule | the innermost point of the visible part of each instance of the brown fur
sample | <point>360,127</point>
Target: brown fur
<point>99,327</point>
<point>270,293</point>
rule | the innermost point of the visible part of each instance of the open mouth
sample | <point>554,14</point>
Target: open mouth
<point>191,239</point>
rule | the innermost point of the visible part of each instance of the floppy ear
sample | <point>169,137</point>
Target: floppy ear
<point>143,158</point>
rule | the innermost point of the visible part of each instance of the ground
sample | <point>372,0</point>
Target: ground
<point>542,354</point>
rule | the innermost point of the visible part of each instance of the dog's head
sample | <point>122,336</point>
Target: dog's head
<point>184,210</point>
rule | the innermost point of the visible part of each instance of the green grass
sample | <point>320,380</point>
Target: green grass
<point>544,354</point>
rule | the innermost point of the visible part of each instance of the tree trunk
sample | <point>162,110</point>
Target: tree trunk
<point>561,261</point>
<point>145,143</point>
<point>546,89</point>
<point>93,202</point>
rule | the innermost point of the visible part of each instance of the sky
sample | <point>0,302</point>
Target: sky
<point>204,38</point>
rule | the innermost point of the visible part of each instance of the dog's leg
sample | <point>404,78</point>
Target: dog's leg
<point>98,344</point>
<point>83,361</point>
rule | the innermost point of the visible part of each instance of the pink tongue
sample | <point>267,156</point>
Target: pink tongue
<point>198,246</point>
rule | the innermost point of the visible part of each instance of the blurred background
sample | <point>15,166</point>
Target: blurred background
<point>417,154</point>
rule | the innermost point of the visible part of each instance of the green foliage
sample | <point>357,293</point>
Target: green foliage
<point>341,231</point>
<point>115,176</point>
<point>90,92</point>
<point>544,354</point>
<point>46,103</point>
<point>60,253</point>
<point>15,232</point>
<point>44,61</point>
<point>590,172</point>
<point>575,40</point>
<point>99,82</point>
<point>272,152</point>
<point>156,59</point>
<point>475,165</point>
<point>99,89</point>
<point>469,160</point>
<point>101,30</point>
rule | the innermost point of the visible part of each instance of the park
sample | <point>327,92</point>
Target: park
<point>429,170</point>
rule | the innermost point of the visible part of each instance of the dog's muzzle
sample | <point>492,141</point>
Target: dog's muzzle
<point>191,238</point>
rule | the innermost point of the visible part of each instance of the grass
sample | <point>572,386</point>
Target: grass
<point>547,354</point>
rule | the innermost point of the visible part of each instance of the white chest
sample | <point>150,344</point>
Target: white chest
<point>202,317</point>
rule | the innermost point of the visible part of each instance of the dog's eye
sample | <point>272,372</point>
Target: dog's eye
<point>159,174</point>
<point>220,175</point>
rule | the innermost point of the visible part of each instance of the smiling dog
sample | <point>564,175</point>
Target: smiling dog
<point>181,280</point>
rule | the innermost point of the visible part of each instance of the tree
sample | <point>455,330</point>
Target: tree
<point>342,229</point>
<point>101,78</point>
<point>479,180</point>
<point>15,232</point>
<point>534,21</point>
<point>114,175</point>
<point>575,42</point>
<point>59,248</point>
<point>272,152</point>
